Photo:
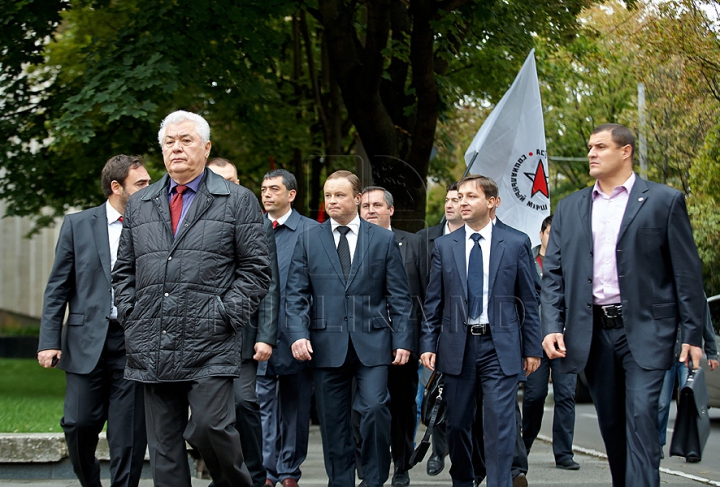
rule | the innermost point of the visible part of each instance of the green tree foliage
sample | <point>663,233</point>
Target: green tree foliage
<point>300,82</point>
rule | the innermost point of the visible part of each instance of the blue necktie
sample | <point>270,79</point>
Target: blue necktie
<point>475,279</point>
<point>343,250</point>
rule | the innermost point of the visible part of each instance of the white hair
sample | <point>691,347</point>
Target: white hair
<point>201,125</point>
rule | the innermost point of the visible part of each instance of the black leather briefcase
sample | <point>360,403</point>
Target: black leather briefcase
<point>692,424</point>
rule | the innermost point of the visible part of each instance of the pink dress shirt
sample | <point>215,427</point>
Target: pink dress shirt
<point>607,215</point>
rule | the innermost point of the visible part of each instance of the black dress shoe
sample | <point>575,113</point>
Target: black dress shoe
<point>400,479</point>
<point>568,464</point>
<point>520,481</point>
<point>435,465</point>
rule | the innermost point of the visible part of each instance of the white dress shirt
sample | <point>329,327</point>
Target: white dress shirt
<point>352,235</point>
<point>484,243</point>
<point>282,219</point>
<point>114,228</point>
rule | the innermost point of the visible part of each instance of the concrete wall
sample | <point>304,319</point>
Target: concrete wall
<point>25,264</point>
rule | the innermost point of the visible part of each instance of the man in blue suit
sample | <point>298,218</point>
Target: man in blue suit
<point>621,276</point>
<point>482,330</point>
<point>284,385</point>
<point>348,304</point>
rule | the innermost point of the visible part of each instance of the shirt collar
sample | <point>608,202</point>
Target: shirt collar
<point>282,219</point>
<point>194,184</point>
<point>486,231</point>
<point>112,214</point>
<point>354,225</point>
<point>627,186</point>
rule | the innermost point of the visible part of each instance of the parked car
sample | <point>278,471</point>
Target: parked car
<point>712,378</point>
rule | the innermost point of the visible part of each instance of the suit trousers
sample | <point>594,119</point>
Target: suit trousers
<point>536,390</point>
<point>334,393</point>
<point>481,383</point>
<point>680,372</point>
<point>285,402</point>
<point>520,454</point>
<point>210,430</point>
<point>403,386</point>
<point>100,396</point>
<point>247,421</point>
<point>626,400</point>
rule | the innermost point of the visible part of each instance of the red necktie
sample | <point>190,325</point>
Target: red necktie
<point>176,206</point>
<point>275,224</point>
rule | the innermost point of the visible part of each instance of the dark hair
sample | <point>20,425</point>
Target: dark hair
<point>288,178</point>
<point>352,179</point>
<point>387,195</point>
<point>451,187</point>
<point>487,185</point>
<point>620,134</point>
<point>546,223</point>
<point>117,169</point>
<point>220,162</point>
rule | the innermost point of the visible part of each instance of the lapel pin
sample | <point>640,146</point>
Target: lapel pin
<point>400,243</point>
<point>641,199</point>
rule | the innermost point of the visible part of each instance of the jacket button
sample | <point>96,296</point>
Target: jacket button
<point>347,296</point>
<point>589,305</point>
<point>164,332</point>
<point>167,294</point>
<point>590,280</point>
<point>170,258</point>
<point>346,318</point>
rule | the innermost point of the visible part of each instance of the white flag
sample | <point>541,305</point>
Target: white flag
<point>510,149</point>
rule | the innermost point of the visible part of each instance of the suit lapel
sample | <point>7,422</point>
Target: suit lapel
<point>636,198</point>
<point>585,210</point>
<point>363,242</point>
<point>458,247</point>
<point>328,243</point>
<point>98,222</point>
<point>497,248</point>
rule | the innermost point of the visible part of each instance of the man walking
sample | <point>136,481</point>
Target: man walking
<point>377,207</point>
<point>192,267</point>
<point>90,347</point>
<point>348,304</point>
<point>284,385</point>
<point>620,276</point>
<point>474,332</point>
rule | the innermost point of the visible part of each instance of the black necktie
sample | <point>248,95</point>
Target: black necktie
<point>343,249</point>
<point>475,282</point>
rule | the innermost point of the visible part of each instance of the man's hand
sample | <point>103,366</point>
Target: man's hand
<point>428,360</point>
<point>302,350</point>
<point>688,353</point>
<point>713,364</point>
<point>401,356</point>
<point>263,352</point>
<point>531,365</point>
<point>554,345</point>
<point>45,358</point>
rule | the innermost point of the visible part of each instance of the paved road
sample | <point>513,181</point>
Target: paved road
<point>594,470</point>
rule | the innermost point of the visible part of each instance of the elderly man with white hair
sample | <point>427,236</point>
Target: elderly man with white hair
<point>192,267</point>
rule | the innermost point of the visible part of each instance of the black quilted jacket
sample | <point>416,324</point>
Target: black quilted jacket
<point>183,301</point>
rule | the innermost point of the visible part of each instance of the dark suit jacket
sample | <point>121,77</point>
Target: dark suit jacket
<point>428,237</point>
<point>512,281</point>
<point>371,308</point>
<point>282,361</point>
<point>80,279</point>
<point>263,322</point>
<point>659,271</point>
<point>414,256</point>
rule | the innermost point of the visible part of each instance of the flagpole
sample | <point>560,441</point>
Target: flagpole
<point>467,171</point>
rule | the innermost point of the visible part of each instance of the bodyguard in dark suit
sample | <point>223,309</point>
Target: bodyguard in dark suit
<point>377,207</point>
<point>90,347</point>
<point>348,304</point>
<point>284,385</point>
<point>258,340</point>
<point>621,275</point>
<point>475,333</point>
